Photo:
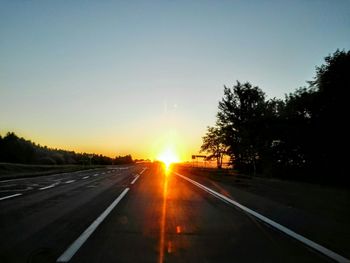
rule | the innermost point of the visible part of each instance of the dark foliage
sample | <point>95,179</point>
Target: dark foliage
<point>123,159</point>
<point>18,150</point>
<point>304,136</point>
<point>213,143</point>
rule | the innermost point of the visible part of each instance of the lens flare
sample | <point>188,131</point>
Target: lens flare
<point>168,157</point>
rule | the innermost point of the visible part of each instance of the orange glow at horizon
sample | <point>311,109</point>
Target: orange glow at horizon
<point>168,156</point>
<point>114,143</point>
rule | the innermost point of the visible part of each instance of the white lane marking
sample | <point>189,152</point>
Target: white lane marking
<point>268,221</point>
<point>74,247</point>
<point>144,169</point>
<point>9,196</point>
<point>137,177</point>
<point>95,175</point>
<point>70,181</point>
<point>86,177</point>
<point>49,186</point>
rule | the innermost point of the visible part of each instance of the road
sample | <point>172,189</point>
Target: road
<point>133,213</point>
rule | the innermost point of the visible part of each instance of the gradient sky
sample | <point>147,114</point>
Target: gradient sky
<point>119,77</point>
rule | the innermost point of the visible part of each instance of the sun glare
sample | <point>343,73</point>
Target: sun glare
<point>168,157</point>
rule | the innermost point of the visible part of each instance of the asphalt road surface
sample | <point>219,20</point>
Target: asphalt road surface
<point>132,213</point>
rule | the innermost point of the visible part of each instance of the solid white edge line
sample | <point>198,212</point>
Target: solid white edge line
<point>74,247</point>
<point>9,196</point>
<point>144,169</point>
<point>137,177</point>
<point>287,231</point>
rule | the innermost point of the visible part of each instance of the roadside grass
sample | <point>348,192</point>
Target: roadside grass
<point>14,171</point>
<point>329,201</point>
<point>319,211</point>
<point>226,175</point>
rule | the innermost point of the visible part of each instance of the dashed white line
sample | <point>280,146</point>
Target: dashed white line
<point>47,187</point>
<point>70,181</point>
<point>95,175</point>
<point>86,177</point>
<point>137,177</point>
<point>74,247</point>
<point>9,196</point>
<point>268,221</point>
<point>144,169</point>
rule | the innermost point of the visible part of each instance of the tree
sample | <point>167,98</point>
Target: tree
<point>18,150</point>
<point>296,143</point>
<point>330,119</point>
<point>315,133</point>
<point>312,135</point>
<point>127,159</point>
<point>240,115</point>
<point>305,136</point>
<point>213,143</point>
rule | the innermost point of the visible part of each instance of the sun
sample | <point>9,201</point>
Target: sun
<point>168,156</point>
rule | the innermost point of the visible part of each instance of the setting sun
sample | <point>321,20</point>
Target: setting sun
<point>168,157</point>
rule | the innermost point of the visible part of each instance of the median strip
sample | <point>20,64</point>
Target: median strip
<point>74,247</point>
<point>329,253</point>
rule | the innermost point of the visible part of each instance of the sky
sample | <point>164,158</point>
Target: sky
<point>137,77</point>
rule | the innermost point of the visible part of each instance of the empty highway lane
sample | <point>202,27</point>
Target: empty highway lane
<point>137,213</point>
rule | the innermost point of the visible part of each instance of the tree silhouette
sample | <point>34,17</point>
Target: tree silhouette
<point>305,136</point>
<point>18,150</point>
<point>314,119</point>
<point>213,143</point>
<point>330,116</point>
<point>240,113</point>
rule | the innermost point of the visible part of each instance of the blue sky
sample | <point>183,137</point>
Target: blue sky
<point>121,77</point>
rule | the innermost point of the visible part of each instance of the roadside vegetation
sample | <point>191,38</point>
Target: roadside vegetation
<point>14,149</point>
<point>300,137</point>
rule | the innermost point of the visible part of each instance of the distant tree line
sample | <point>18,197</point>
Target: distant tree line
<point>18,150</point>
<point>304,136</point>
